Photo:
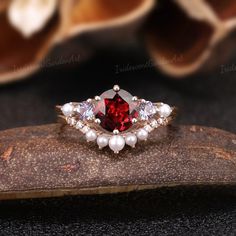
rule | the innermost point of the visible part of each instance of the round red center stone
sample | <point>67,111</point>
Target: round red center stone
<point>116,110</point>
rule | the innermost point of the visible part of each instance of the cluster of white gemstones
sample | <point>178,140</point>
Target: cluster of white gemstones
<point>85,111</point>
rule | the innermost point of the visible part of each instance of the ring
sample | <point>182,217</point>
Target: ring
<point>116,118</point>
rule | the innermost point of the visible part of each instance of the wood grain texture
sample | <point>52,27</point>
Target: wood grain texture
<point>40,162</point>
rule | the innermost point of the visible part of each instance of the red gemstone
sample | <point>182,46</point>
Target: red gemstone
<point>116,110</point>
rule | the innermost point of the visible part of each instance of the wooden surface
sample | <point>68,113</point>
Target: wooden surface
<point>40,162</point>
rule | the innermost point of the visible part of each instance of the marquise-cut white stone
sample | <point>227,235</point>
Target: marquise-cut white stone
<point>146,110</point>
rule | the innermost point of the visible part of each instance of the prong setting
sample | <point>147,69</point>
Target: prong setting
<point>116,131</point>
<point>90,118</point>
<point>97,121</point>
<point>97,98</point>
<point>116,88</point>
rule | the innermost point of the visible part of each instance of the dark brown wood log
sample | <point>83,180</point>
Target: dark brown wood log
<point>40,162</point>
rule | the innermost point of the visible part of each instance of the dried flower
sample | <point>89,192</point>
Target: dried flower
<point>30,16</point>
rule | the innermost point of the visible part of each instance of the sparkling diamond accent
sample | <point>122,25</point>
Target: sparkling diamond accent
<point>146,110</point>
<point>71,121</point>
<point>79,125</point>
<point>148,128</point>
<point>85,129</point>
<point>162,121</point>
<point>154,124</point>
<point>85,110</point>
